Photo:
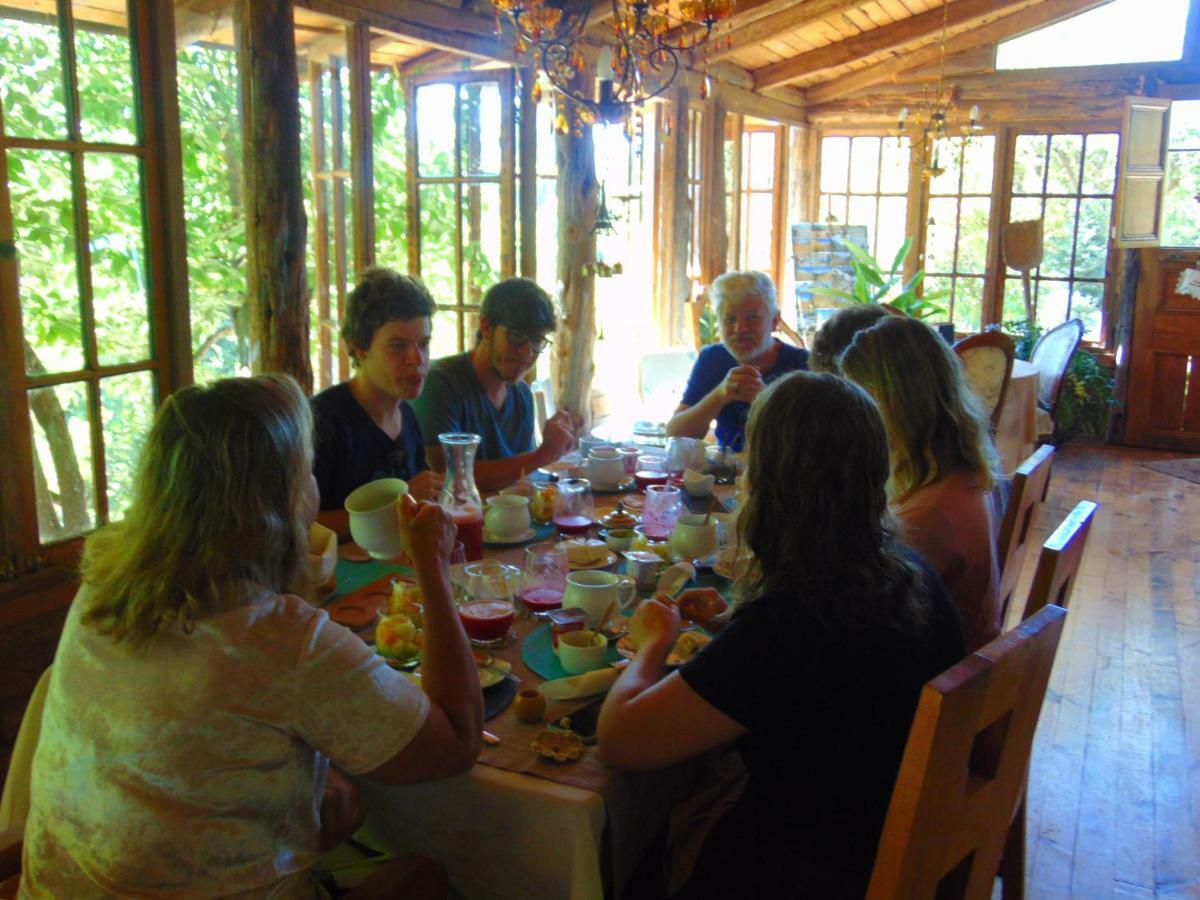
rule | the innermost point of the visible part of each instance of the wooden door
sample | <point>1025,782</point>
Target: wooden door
<point>1164,386</point>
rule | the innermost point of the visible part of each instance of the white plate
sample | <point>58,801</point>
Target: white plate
<point>508,542</point>
<point>699,639</point>
<point>608,560</point>
<point>621,487</point>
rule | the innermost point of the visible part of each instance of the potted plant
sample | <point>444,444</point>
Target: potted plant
<point>874,285</point>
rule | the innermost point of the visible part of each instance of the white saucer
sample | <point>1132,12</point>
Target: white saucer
<point>608,560</point>
<point>508,542</point>
<point>625,484</point>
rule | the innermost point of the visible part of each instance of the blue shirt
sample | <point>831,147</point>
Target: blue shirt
<point>350,449</point>
<point>454,400</point>
<point>711,367</point>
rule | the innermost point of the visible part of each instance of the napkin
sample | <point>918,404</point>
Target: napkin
<point>584,685</point>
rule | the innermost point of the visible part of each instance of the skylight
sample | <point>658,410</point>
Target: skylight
<point>1123,31</point>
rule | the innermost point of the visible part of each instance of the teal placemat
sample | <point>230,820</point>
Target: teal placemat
<point>351,576</point>
<point>537,652</point>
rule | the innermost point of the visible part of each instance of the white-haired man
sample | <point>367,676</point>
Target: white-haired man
<point>728,376</point>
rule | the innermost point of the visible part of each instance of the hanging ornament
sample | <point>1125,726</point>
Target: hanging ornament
<point>535,92</point>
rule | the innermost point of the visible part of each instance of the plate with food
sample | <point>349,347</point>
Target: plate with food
<point>589,553</point>
<point>686,646</point>
<point>398,639</point>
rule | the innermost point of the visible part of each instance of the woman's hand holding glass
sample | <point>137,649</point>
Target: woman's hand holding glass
<point>704,606</point>
<point>427,532</point>
<point>426,485</point>
<point>655,626</point>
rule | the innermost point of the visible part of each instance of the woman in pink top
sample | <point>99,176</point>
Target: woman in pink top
<point>196,705</point>
<point>943,461</point>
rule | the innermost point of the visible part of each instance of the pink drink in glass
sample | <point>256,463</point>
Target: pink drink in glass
<point>470,532</point>
<point>541,599</point>
<point>572,524</point>
<point>487,620</point>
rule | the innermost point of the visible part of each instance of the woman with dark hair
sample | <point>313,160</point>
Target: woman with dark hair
<point>196,705</point>
<point>817,675</point>
<point>942,458</point>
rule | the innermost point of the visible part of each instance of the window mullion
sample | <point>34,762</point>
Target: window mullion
<point>459,287</point>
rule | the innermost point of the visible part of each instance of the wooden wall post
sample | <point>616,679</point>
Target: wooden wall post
<point>277,285</point>
<point>577,206</point>
<point>714,233</point>
<point>673,221</point>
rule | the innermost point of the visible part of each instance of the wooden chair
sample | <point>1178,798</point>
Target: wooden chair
<point>988,360</point>
<point>1030,483</point>
<point>1059,563</point>
<point>964,768</point>
<point>1052,355</point>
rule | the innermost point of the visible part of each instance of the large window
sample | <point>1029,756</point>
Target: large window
<point>754,175</point>
<point>1181,220</point>
<point>864,181</point>
<point>956,230</point>
<point>84,342</point>
<point>1067,181</point>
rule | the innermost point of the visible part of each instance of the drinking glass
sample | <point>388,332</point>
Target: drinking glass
<point>545,578</point>
<point>573,506</point>
<point>651,469</point>
<point>629,458</point>
<point>487,613</point>
<point>662,510</point>
<point>681,454</point>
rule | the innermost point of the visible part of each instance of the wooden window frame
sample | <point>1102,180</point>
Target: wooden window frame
<point>157,149</point>
<point>506,179</point>
<point>876,195</point>
<point>740,183</point>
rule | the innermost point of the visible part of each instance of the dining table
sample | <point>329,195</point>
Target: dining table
<point>1016,428</point>
<point>517,825</point>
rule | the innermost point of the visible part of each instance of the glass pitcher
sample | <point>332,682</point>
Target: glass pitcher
<point>460,497</point>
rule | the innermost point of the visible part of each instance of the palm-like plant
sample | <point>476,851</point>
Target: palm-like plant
<point>873,285</point>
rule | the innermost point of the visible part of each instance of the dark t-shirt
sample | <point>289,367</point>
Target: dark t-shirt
<point>352,450</point>
<point>710,368</point>
<point>454,400</point>
<point>828,711</point>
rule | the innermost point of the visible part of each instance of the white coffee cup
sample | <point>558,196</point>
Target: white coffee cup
<point>582,651</point>
<point>693,538</point>
<point>594,591</point>
<point>605,468</point>
<point>374,519</point>
<point>507,517</point>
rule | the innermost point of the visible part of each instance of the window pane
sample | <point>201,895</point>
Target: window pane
<point>547,162</point>
<point>762,159</point>
<point>479,111</point>
<point>1063,174</point>
<point>1181,218</point>
<point>388,117</point>
<point>1029,163</point>
<point>968,304</point>
<point>973,234</point>
<point>31,76</point>
<point>945,159</point>
<point>979,156</point>
<point>893,171</point>
<point>862,212</point>
<point>1014,299</point>
<point>43,223</point>
<point>892,224</point>
<point>62,451</point>
<point>1091,241</point>
<point>444,341</point>
<point>214,215</point>
<point>127,404</point>
<point>104,69</point>
<point>1100,165</point>
<point>1024,209</point>
<point>119,295</point>
<point>940,234</point>
<point>1087,303</point>
<point>1052,299</point>
<point>547,234</point>
<point>437,218</point>
<point>481,240</point>
<point>435,129</point>
<point>864,165</point>
<point>835,160</point>
<point>759,232</point>
<point>1059,225</point>
<point>837,209</point>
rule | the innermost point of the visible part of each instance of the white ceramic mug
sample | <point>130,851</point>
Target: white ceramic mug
<point>605,467</point>
<point>507,517</point>
<point>374,519</point>
<point>593,591</point>
<point>693,538</point>
<point>582,651</point>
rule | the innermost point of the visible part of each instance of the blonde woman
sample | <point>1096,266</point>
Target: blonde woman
<point>942,458</point>
<point>195,705</point>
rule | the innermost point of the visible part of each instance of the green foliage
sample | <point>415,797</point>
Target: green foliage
<point>1087,394</point>
<point>873,285</point>
<point>710,328</point>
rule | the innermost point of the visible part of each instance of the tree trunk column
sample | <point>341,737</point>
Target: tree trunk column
<point>577,205</point>
<point>276,280</point>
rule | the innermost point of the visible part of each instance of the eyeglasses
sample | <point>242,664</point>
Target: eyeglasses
<point>520,339</point>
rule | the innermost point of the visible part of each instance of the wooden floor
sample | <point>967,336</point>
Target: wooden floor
<point>1114,797</point>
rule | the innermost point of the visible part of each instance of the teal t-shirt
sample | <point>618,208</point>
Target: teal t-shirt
<point>454,400</point>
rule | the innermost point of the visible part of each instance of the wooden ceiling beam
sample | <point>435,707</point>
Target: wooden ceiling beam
<point>745,14</point>
<point>1094,110</point>
<point>957,15</point>
<point>1043,14</point>
<point>440,27</point>
<point>792,17</point>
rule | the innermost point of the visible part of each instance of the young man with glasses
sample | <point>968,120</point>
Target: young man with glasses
<point>483,391</point>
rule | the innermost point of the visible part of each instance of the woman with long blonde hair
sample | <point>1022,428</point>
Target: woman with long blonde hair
<point>943,461</point>
<point>196,705</point>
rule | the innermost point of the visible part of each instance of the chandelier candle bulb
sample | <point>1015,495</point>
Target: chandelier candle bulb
<point>604,67</point>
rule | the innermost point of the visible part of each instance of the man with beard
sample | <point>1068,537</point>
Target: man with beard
<point>482,391</point>
<point>728,376</point>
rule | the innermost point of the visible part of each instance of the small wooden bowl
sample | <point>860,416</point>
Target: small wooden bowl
<point>558,746</point>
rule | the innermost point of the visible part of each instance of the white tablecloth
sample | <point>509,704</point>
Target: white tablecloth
<point>1016,432</point>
